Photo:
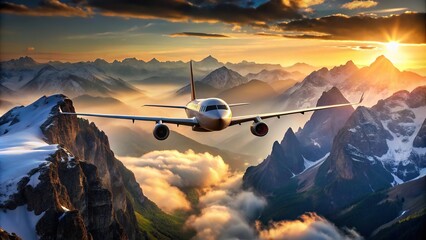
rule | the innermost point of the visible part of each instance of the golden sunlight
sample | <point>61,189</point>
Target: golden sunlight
<point>392,46</point>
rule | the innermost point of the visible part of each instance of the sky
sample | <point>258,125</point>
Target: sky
<point>318,32</point>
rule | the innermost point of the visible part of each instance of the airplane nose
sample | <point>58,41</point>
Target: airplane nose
<point>221,117</point>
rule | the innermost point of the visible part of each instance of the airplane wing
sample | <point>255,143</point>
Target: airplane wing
<point>178,121</point>
<point>248,118</point>
<point>164,106</point>
<point>237,104</point>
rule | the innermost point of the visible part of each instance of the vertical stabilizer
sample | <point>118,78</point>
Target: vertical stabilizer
<point>192,82</point>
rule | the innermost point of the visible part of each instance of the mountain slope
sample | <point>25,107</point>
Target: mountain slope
<point>76,80</point>
<point>285,161</point>
<point>378,81</point>
<point>317,134</point>
<point>358,184</point>
<point>271,76</point>
<point>309,144</point>
<point>252,91</point>
<point>305,93</point>
<point>215,82</point>
<point>66,168</point>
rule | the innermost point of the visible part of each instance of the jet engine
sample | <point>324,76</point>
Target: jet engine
<point>259,129</point>
<point>161,131</point>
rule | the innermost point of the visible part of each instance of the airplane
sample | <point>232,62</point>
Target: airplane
<point>210,114</point>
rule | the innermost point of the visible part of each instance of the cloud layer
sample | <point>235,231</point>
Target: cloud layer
<point>162,174</point>
<point>210,11</point>
<point>280,16</point>
<point>308,226</point>
<point>405,28</point>
<point>227,212</point>
<point>224,209</point>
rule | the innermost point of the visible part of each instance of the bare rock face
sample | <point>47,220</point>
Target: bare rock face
<point>87,142</point>
<point>377,148</point>
<point>4,235</point>
<point>317,135</point>
<point>285,161</point>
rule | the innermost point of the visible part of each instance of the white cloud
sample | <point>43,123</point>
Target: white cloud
<point>227,212</point>
<point>162,173</point>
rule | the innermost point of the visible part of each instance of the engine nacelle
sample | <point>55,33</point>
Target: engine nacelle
<point>161,131</point>
<point>259,129</point>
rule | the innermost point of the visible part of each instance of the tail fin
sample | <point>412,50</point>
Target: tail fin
<point>192,82</point>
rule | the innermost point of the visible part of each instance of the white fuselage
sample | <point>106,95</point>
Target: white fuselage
<point>212,114</point>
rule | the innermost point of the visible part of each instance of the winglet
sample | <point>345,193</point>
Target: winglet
<point>362,98</point>
<point>192,82</point>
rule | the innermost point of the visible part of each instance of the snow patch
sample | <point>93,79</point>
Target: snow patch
<point>22,147</point>
<point>352,130</point>
<point>310,164</point>
<point>34,181</point>
<point>65,209</point>
<point>396,180</point>
<point>20,221</point>
<point>401,146</point>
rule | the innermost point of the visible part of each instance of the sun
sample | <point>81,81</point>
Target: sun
<point>392,46</point>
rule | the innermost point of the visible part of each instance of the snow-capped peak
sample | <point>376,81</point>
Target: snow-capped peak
<point>22,147</point>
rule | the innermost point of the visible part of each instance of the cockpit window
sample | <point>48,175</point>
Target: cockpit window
<point>211,107</point>
<point>214,107</point>
<point>222,107</point>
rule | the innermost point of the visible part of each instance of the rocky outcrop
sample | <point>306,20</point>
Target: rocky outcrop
<point>78,192</point>
<point>284,162</point>
<point>351,159</point>
<point>4,235</point>
<point>374,144</point>
<point>311,143</point>
<point>87,142</point>
<point>317,135</point>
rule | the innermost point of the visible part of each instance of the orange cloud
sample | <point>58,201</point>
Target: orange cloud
<point>308,226</point>
<point>359,4</point>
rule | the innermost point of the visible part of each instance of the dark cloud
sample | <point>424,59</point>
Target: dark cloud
<point>268,34</point>
<point>405,28</point>
<point>198,34</point>
<point>177,10</point>
<point>46,8</point>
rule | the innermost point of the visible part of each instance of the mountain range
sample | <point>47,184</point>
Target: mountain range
<point>360,168</point>
<point>378,80</point>
<point>374,165</point>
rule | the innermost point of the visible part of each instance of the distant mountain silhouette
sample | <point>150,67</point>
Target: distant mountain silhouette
<point>252,91</point>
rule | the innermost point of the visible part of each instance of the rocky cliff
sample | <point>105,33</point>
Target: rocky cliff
<point>284,162</point>
<point>317,134</point>
<point>298,151</point>
<point>75,189</point>
<point>375,149</point>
